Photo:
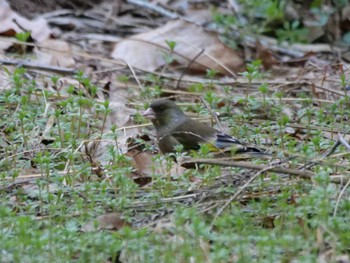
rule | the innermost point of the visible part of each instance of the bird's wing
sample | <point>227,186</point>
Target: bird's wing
<point>191,134</point>
<point>225,141</point>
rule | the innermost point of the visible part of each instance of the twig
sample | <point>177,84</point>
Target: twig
<point>154,8</point>
<point>240,190</point>
<point>300,126</point>
<point>165,200</point>
<point>346,186</point>
<point>212,113</point>
<point>323,156</point>
<point>294,50</point>
<point>306,174</point>
<point>237,12</point>
<point>30,65</point>
<point>134,74</point>
<point>188,65</point>
<point>14,184</point>
<point>342,141</point>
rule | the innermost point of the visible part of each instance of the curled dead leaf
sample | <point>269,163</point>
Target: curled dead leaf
<point>146,51</point>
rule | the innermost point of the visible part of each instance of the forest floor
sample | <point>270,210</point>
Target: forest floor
<point>81,175</point>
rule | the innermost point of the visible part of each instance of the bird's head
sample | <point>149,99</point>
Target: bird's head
<point>164,112</point>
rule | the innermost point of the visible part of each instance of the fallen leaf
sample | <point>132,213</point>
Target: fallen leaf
<point>56,53</point>
<point>144,165</point>
<point>142,161</point>
<point>146,51</point>
<point>111,221</point>
<point>265,55</point>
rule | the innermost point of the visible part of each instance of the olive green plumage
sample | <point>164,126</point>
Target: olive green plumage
<point>174,127</point>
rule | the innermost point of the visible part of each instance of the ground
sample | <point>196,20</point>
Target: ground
<point>81,175</point>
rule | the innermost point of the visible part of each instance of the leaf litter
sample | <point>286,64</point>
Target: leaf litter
<point>104,59</point>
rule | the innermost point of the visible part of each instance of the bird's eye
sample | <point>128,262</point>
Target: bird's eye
<point>161,108</point>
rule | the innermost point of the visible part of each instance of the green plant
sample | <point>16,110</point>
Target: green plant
<point>292,33</point>
<point>211,74</point>
<point>252,73</point>
<point>169,57</point>
<point>23,37</point>
<point>261,17</point>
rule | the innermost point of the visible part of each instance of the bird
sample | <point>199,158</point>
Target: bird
<point>174,127</point>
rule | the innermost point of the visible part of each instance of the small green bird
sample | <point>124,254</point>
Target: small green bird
<point>174,128</point>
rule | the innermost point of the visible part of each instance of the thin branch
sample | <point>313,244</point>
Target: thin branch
<point>240,190</point>
<point>306,174</point>
<point>154,8</point>
<point>323,156</point>
<point>341,140</point>
<point>212,113</point>
<point>346,186</point>
<point>30,65</point>
<point>188,66</point>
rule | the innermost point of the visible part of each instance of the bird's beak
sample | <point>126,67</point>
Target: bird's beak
<point>149,114</point>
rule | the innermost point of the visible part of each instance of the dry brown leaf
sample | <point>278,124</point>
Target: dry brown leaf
<point>146,51</point>
<point>111,221</point>
<point>12,23</point>
<point>145,167</point>
<point>142,161</point>
<point>56,53</point>
<point>265,55</point>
